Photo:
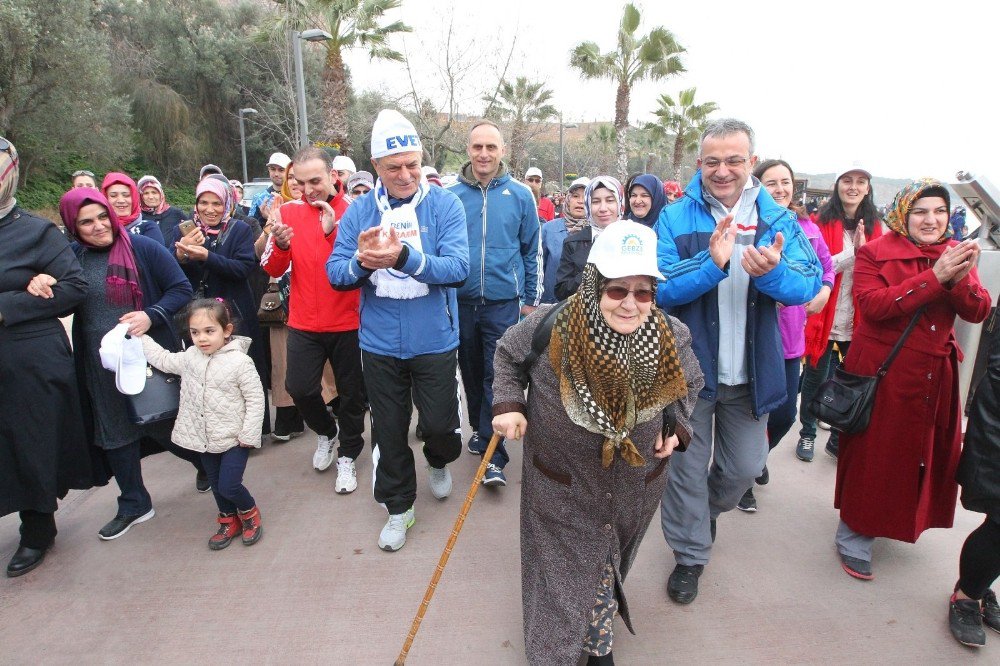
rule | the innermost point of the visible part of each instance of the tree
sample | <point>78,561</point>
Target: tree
<point>525,105</point>
<point>57,97</point>
<point>684,120</point>
<point>653,56</point>
<point>353,24</point>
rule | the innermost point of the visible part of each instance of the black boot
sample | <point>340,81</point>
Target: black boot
<point>606,660</point>
<point>24,560</point>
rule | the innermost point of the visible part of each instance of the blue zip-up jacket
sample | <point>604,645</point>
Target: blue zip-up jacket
<point>404,328</point>
<point>690,289</point>
<point>505,249</point>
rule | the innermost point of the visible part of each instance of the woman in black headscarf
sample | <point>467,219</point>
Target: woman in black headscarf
<point>646,199</point>
<point>43,450</point>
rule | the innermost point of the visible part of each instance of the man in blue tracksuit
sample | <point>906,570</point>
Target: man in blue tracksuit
<point>404,243</point>
<point>730,256</point>
<point>505,276</point>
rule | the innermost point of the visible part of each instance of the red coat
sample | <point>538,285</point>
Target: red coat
<point>546,209</point>
<point>897,478</point>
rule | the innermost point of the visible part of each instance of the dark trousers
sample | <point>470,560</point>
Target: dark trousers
<point>430,379</point>
<point>781,418</point>
<point>38,529</point>
<point>126,465</point>
<point>480,327</point>
<point>979,564</point>
<point>307,353</point>
<point>811,379</point>
<point>225,473</point>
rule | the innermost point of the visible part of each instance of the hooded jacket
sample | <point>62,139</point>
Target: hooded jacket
<point>505,249</point>
<point>222,399</point>
<point>404,328</point>
<point>690,290</point>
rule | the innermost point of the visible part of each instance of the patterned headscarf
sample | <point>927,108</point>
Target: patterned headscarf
<point>221,189</point>
<point>606,182</point>
<point>896,219</point>
<point>122,282</point>
<point>9,173</point>
<point>151,181</point>
<point>116,178</point>
<point>610,382</point>
<point>286,188</point>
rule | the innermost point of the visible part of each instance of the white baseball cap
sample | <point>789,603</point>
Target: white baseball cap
<point>344,163</point>
<point>533,171</point>
<point>279,160</point>
<point>625,248</point>
<point>853,169</point>
<point>123,355</point>
<point>582,181</point>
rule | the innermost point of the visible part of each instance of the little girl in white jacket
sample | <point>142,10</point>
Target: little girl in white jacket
<point>221,409</point>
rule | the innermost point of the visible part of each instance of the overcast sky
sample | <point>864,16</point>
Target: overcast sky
<point>906,89</point>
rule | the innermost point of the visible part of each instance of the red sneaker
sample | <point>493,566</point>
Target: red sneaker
<point>252,530</point>
<point>229,527</point>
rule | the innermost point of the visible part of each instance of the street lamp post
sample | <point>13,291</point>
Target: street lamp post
<point>562,153</point>
<point>243,141</point>
<point>313,35</point>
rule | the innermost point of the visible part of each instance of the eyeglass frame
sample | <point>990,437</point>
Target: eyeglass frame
<point>83,172</point>
<point>635,293</point>
<point>733,162</point>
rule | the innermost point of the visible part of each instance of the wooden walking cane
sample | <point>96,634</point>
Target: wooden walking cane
<point>473,489</point>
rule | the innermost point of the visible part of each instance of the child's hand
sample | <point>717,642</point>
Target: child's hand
<point>246,446</point>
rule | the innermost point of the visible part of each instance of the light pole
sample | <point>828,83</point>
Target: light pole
<point>562,154</point>
<point>243,140</point>
<point>313,35</point>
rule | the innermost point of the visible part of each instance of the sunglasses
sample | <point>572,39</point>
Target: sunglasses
<point>620,293</point>
<point>83,172</point>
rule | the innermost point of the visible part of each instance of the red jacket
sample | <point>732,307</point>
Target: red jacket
<point>897,478</point>
<point>819,325</point>
<point>314,306</point>
<point>546,209</point>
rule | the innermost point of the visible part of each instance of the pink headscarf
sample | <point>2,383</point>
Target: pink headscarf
<point>151,181</point>
<point>122,283</point>
<point>117,178</point>
<point>221,189</point>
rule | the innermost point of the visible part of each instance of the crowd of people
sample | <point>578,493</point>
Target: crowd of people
<point>656,339</point>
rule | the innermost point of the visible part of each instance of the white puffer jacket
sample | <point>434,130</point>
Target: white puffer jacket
<point>222,399</point>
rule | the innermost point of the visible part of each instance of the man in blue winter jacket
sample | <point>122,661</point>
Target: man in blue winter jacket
<point>404,244</point>
<point>730,256</point>
<point>505,276</point>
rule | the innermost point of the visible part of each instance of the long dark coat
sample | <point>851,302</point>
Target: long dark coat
<point>979,467</point>
<point>43,450</point>
<point>897,478</point>
<point>577,516</point>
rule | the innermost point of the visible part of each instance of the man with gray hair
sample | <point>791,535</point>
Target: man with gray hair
<point>728,294</point>
<point>404,244</point>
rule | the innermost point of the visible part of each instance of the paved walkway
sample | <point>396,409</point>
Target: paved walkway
<point>316,589</point>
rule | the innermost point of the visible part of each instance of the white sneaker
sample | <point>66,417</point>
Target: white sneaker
<point>823,424</point>
<point>440,481</point>
<point>393,535</point>
<point>323,457</point>
<point>347,476</point>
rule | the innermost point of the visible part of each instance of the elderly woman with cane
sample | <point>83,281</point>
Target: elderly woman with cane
<point>611,388</point>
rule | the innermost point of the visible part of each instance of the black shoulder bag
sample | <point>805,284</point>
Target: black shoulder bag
<point>845,400</point>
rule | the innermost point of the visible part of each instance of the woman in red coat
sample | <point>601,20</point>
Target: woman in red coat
<point>897,478</point>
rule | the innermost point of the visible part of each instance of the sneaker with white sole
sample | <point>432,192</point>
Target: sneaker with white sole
<point>440,481</point>
<point>347,476</point>
<point>494,476</point>
<point>323,457</point>
<point>121,524</point>
<point>393,535</point>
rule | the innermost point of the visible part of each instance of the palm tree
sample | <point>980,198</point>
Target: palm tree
<point>353,24</point>
<point>684,120</point>
<point>525,105</point>
<point>653,56</point>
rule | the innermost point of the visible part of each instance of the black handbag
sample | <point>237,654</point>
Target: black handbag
<point>845,400</point>
<point>159,399</point>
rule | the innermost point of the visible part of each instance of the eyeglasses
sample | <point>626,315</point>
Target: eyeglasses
<point>83,172</point>
<point>620,293</point>
<point>534,179</point>
<point>732,162</point>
